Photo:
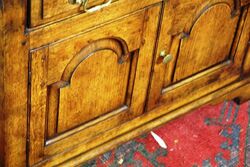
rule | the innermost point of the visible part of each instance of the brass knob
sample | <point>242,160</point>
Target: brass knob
<point>163,53</point>
<point>166,57</point>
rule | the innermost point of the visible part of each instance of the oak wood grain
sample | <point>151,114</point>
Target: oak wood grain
<point>1,86</point>
<point>74,84</point>
<point>100,90</point>
<point>100,82</point>
<point>54,7</point>
<point>244,45</point>
<point>208,43</point>
<point>191,41</point>
<point>247,63</point>
<point>38,105</point>
<point>13,82</point>
<point>76,15</point>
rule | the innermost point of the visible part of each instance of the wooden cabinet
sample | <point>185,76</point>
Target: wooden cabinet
<point>77,80</point>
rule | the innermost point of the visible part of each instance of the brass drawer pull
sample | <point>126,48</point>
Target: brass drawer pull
<point>76,1</point>
<point>84,3</point>
<point>96,8</point>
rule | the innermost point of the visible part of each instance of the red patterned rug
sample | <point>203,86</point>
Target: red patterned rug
<point>212,136</point>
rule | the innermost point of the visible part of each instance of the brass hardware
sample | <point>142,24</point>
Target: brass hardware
<point>166,57</point>
<point>163,53</point>
<point>84,3</point>
<point>77,1</point>
<point>95,8</point>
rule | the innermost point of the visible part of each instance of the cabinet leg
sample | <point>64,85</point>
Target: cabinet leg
<point>237,100</point>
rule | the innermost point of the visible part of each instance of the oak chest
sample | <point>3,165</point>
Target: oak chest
<point>79,77</point>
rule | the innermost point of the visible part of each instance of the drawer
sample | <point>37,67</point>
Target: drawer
<point>45,11</point>
<point>52,8</point>
<point>86,85</point>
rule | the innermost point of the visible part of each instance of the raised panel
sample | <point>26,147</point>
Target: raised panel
<point>82,49</point>
<point>95,89</point>
<point>94,86</point>
<point>208,43</point>
<point>93,83</point>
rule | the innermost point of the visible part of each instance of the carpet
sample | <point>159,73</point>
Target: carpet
<point>211,136</point>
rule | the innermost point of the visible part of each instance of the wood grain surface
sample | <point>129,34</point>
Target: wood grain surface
<point>75,84</point>
<point>13,82</point>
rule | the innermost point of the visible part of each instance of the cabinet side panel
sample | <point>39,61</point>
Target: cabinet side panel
<point>15,77</point>
<point>1,88</point>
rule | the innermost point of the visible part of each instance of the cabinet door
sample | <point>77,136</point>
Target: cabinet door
<point>86,85</point>
<point>196,51</point>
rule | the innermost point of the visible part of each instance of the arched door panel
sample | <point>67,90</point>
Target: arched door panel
<point>94,83</point>
<point>208,43</point>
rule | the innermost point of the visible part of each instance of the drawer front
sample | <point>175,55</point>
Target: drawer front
<point>196,53</point>
<point>45,11</point>
<point>52,8</point>
<point>89,84</point>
